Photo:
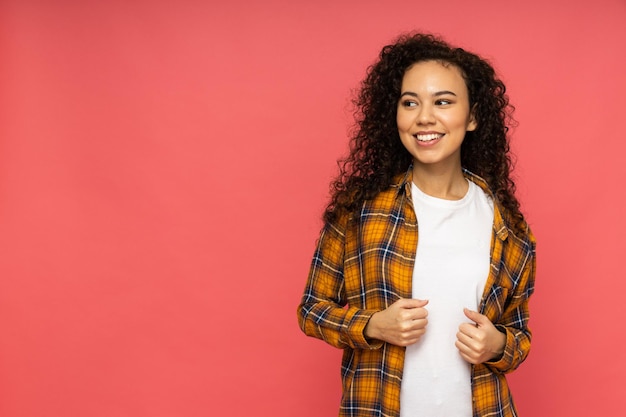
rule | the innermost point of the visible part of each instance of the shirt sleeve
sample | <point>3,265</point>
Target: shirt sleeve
<point>514,320</point>
<point>323,312</point>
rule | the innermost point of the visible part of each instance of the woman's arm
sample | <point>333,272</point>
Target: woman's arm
<point>514,319</point>
<point>322,312</point>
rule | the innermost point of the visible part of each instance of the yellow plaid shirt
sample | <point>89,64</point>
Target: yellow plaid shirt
<point>364,265</point>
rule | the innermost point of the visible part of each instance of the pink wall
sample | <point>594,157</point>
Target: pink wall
<point>163,165</point>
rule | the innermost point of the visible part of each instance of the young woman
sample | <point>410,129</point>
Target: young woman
<point>425,265</point>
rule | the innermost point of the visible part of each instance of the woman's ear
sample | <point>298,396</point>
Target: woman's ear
<point>472,123</point>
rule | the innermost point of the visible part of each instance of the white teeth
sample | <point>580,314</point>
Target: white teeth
<point>428,137</point>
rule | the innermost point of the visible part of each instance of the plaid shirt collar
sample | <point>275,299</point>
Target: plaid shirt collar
<point>403,184</point>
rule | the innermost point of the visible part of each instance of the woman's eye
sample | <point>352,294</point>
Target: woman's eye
<point>443,102</point>
<point>409,103</point>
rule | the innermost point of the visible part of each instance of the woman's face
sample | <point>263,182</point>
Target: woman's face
<point>434,114</point>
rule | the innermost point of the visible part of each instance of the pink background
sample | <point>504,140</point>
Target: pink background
<point>164,164</point>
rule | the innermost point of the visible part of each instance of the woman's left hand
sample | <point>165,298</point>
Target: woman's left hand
<point>480,342</point>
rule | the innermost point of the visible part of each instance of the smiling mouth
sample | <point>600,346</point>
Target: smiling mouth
<point>428,137</point>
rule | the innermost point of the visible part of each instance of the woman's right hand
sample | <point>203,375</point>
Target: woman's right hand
<point>400,324</point>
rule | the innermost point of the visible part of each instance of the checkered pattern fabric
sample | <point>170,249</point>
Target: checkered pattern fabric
<point>364,264</point>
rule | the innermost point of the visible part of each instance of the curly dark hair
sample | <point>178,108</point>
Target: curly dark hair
<point>376,153</point>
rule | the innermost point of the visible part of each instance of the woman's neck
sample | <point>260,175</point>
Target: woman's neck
<point>447,184</point>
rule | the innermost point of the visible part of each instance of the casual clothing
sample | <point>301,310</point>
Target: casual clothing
<point>451,269</point>
<point>363,265</point>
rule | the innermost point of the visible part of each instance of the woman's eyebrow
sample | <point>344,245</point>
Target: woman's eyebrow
<point>437,94</point>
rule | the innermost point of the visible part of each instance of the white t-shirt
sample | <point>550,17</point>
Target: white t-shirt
<point>451,268</point>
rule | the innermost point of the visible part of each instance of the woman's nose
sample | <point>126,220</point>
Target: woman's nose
<point>425,115</point>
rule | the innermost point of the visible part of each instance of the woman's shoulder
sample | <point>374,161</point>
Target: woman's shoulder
<point>519,231</point>
<point>387,198</point>
<point>505,222</point>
